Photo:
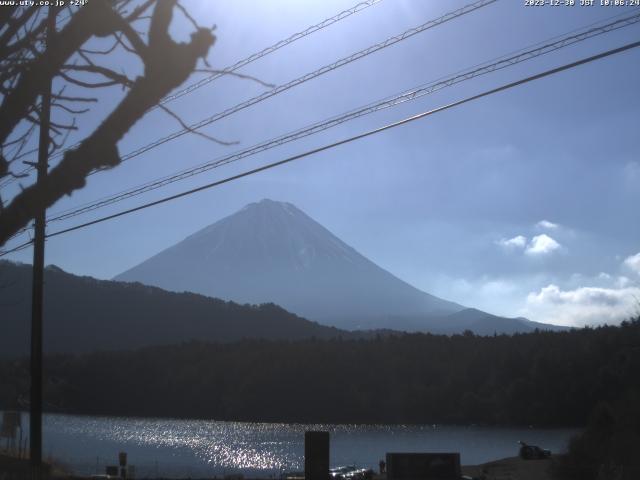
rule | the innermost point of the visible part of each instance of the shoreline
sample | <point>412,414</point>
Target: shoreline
<point>513,468</point>
<point>502,426</point>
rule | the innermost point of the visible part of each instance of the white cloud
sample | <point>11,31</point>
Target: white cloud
<point>633,262</point>
<point>542,245</point>
<point>622,282</point>
<point>483,287</point>
<point>546,224</point>
<point>515,242</point>
<point>498,295</point>
<point>582,306</point>
<point>603,279</point>
<point>539,245</point>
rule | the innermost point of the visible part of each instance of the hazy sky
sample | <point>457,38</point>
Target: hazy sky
<point>522,203</point>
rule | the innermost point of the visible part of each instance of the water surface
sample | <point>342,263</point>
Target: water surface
<point>203,448</point>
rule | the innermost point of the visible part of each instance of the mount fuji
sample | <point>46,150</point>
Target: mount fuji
<point>272,252</point>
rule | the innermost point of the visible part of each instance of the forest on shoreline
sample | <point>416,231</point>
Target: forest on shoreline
<point>541,379</point>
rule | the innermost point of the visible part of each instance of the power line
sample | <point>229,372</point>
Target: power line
<point>276,46</point>
<point>25,171</point>
<point>269,166</point>
<point>19,232</point>
<point>409,95</point>
<point>325,69</point>
<point>309,76</point>
<point>236,66</point>
<point>298,81</point>
<point>22,246</point>
<point>342,142</point>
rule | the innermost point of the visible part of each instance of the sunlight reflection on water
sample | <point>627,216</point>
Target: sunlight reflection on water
<point>181,448</point>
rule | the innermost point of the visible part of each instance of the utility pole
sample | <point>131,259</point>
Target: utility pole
<point>35,413</point>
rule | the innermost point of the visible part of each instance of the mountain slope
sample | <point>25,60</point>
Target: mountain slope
<point>273,252</point>
<point>82,314</point>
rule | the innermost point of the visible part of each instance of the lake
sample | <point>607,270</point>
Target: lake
<point>200,448</point>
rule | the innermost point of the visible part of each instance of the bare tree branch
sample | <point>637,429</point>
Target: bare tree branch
<point>80,83</point>
<point>109,50</point>
<point>23,42</point>
<point>237,75</point>
<point>75,99</point>
<point>14,25</point>
<point>122,43</point>
<point>196,132</point>
<point>116,78</point>
<point>58,145</point>
<point>137,13</point>
<point>167,65</point>
<point>188,16</point>
<point>93,19</point>
<point>69,109</point>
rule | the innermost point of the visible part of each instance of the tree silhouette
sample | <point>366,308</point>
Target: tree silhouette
<point>27,61</point>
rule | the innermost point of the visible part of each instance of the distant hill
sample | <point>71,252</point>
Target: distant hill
<point>273,252</point>
<point>83,314</point>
